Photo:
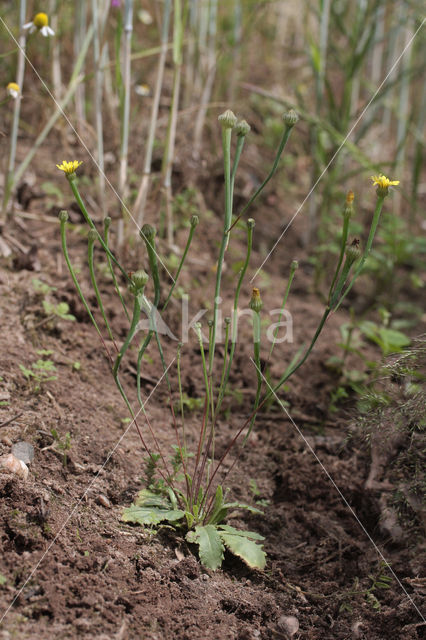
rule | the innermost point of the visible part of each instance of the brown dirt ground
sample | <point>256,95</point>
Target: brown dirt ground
<point>73,570</point>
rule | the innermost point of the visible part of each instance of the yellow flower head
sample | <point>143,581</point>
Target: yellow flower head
<point>13,90</point>
<point>41,20</point>
<point>383,183</point>
<point>69,167</point>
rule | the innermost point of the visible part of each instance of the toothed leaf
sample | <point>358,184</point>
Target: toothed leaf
<point>209,544</point>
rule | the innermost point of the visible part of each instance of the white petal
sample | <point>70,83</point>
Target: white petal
<point>29,25</point>
<point>50,31</point>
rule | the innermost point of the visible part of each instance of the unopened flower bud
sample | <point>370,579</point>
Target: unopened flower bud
<point>353,252</point>
<point>227,320</point>
<point>348,208</point>
<point>250,223</point>
<point>228,119</point>
<point>291,118</point>
<point>139,280</point>
<point>255,303</point>
<point>92,235</point>
<point>63,216</point>
<point>147,232</point>
<point>294,265</point>
<point>107,222</point>
<point>242,128</point>
<point>194,220</point>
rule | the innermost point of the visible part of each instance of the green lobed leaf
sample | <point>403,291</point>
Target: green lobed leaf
<point>246,549</point>
<point>209,544</point>
<point>150,515</point>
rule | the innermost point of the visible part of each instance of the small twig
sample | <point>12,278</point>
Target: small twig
<point>6,422</point>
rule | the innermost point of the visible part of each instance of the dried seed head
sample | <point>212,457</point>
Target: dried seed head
<point>228,119</point>
<point>291,118</point>
<point>242,128</point>
<point>255,303</point>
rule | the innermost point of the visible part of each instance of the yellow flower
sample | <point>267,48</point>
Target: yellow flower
<point>383,183</point>
<point>13,90</point>
<point>40,22</point>
<point>69,167</point>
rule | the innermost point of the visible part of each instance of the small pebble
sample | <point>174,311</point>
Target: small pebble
<point>12,464</point>
<point>289,624</point>
<point>103,500</point>
<point>24,451</point>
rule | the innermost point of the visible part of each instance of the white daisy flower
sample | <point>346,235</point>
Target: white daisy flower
<point>40,23</point>
<point>13,90</point>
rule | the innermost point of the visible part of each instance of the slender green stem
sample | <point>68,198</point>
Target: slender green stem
<point>107,222</point>
<point>238,150</point>
<point>74,188</point>
<point>179,375</point>
<point>90,247</point>
<point>222,388</point>
<point>188,243</point>
<point>226,143</point>
<point>256,354</point>
<point>63,217</point>
<point>287,291</point>
<point>284,139</point>
<point>373,228</point>
<point>345,232</point>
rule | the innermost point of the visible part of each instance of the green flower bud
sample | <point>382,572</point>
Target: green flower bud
<point>242,128</point>
<point>63,216</point>
<point>209,323</point>
<point>353,252</point>
<point>227,320</point>
<point>107,222</point>
<point>294,265</point>
<point>92,235</point>
<point>147,232</point>
<point>139,280</point>
<point>255,303</point>
<point>250,223</point>
<point>228,119</point>
<point>291,118</point>
<point>194,220</point>
<point>348,210</point>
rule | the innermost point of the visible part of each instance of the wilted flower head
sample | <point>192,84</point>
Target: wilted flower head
<point>383,183</point>
<point>40,23</point>
<point>13,90</point>
<point>69,167</point>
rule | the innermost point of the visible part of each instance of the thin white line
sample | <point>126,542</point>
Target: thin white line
<point>341,494</point>
<point>340,147</point>
<point>80,139</point>
<point>81,498</point>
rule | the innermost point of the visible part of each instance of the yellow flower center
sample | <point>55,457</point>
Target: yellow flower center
<point>41,20</point>
<point>69,167</point>
<point>12,86</point>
